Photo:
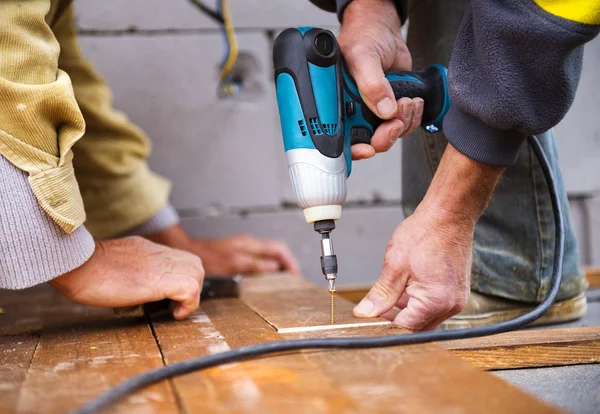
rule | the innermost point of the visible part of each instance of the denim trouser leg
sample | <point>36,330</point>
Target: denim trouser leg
<point>514,239</point>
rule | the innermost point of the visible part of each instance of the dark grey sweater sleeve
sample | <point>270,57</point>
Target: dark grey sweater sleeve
<point>339,6</point>
<point>513,72</point>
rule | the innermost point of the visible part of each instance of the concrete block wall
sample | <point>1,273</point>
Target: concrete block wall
<point>225,156</point>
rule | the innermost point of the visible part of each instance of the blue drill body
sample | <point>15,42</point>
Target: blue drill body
<point>322,115</point>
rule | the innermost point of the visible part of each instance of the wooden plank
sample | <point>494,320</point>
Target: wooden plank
<point>23,311</point>
<point>593,276</point>
<point>84,351</point>
<point>420,378</point>
<point>281,384</point>
<point>530,348</point>
<point>291,304</point>
<point>16,353</point>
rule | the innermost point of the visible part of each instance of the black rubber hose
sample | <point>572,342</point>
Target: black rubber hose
<point>247,352</point>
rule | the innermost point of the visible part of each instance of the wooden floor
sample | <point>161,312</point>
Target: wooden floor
<point>56,355</point>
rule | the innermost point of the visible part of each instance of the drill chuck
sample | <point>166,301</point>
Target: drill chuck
<point>329,265</point>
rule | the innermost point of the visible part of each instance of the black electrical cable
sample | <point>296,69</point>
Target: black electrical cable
<point>247,352</point>
<point>211,13</point>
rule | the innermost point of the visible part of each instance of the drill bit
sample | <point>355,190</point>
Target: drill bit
<point>329,265</point>
<point>332,307</point>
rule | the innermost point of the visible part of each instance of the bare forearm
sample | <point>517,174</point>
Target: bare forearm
<point>461,188</point>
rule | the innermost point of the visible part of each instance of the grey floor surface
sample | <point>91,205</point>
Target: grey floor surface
<point>575,388</point>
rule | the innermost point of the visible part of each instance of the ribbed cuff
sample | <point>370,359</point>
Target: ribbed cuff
<point>481,142</point>
<point>165,218</point>
<point>33,247</point>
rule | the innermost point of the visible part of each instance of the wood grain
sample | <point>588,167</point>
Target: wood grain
<point>421,378</point>
<point>593,276</point>
<point>23,311</point>
<point>281,384</point>
<point>84,351</point>
<point>530,348</point>
<point>16,353</point>
<point>291,304</point>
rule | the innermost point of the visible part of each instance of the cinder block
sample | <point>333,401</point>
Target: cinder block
<point>578,134</point>
<point>359,240</point>
<point>181,14</point>
<point>217,152</point>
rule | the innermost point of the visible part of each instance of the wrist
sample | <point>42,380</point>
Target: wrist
<point>174,236</point>
<point>461,188</point>
<point>357,8</point>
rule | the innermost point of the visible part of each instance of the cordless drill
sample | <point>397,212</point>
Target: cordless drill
<point>322,115</point>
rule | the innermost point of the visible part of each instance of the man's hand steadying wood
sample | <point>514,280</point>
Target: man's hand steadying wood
<point>234,255</point>
<point>427,265</point>
<point>133,271</point>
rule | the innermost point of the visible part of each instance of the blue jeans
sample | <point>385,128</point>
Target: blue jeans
<point>514,239</point>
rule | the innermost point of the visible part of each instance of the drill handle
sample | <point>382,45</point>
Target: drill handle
<point>431,85</point>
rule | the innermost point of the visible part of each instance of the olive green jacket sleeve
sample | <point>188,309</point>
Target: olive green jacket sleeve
<point>49,93</point>
<point>119,191</point>
<point>39,118</point>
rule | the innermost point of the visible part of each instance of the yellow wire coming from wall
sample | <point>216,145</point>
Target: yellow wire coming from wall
<point>231,40</point>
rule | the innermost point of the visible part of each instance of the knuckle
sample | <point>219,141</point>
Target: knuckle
<point>372,87</point>
<point>354,51</point>
<point>384,288</point>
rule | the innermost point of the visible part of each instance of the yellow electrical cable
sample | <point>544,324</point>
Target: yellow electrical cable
<point>231,39</point>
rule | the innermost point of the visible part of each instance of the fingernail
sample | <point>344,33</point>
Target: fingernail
<point>407,109</point>
<point>419,107</point>
<point>385,107</point>
<point>364,308</point>
<point>396,131</point>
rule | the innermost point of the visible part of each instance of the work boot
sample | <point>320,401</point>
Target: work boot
<point>486,310</point>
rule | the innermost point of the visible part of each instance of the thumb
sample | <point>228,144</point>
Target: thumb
<point>383,296</point>
<point>373,86</point>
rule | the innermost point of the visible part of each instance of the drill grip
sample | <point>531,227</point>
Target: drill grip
<point>430,85</point>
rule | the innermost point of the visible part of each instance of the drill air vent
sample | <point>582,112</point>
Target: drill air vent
<point>330,128</point>
<point>316,128</point>
<point>302,126</point>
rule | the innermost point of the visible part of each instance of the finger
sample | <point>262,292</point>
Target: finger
<point>416,316</point>
<point>265,265</point>
<point>406,108</point>
<point>362,151</point>
<point>383,296</point>
<point>386,135</point>
<point>183,289</point>
<point>391,314</point>
<point>403,301</point>
<point>282,252</point>
<point>366,69</point>
<point>437,322</point>
<point>417,116</point>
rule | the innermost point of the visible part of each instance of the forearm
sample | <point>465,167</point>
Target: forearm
<point>461,188</point>
<point>340,6</point>
<point>33,248</point>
